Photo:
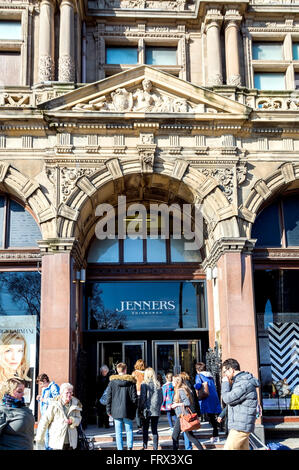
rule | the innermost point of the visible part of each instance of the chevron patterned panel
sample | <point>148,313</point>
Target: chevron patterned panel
<point>284,352</point>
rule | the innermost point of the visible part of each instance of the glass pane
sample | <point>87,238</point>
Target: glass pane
<point>133,352</point>
<point>121,55</point>
<point>296,50</point>
<point>267,51</point>
<point>266,227</point>
<point>112,354</point>
<point>30,232</point>
<point>296,81</point>
<point>178,253</point>
<point>20,293</point>
<point>2,203</point>
<point>156,250</point>
<point>269,81</point>
<point>165,359</point>
<point>133,250</point>
<point>10,30</point>
<point>104,251</point>
<point>145,305</point>
<point>291,220</point>
<point>160,56</point>
<point>10,66</point>
<point>188,357</point>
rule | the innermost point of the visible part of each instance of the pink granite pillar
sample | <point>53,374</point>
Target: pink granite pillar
<point>55,325</point>
<point>237,310</point>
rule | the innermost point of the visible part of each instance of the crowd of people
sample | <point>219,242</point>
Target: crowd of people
<point>60,416</point>
<point>125,397</point>
<point>142,396</point>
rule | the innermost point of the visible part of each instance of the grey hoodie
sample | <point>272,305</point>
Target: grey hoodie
<point>241,398</point>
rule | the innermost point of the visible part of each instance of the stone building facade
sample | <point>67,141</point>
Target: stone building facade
<point>188,120</point>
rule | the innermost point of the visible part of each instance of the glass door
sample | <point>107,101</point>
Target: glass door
<point>165,357</point>
<point>188,354</point>
<point>132,351</point>
<point>113,352</point>
<point>176,356</point>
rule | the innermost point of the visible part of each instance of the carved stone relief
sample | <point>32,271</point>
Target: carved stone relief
<point>69,178</point>
<point>144,99</point>
<point>175,5</point>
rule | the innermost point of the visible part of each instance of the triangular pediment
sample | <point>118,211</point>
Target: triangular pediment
<point>144,90</point>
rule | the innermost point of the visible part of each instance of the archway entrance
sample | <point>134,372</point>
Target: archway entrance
<point>145,297</point>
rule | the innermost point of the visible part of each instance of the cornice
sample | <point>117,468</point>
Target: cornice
<point>228,245</point>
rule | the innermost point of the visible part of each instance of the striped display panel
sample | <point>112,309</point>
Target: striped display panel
<point>284,352</point>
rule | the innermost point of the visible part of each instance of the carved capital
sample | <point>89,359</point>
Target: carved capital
<point>234,80</point>
<point>66,68</point>
<point>215,80</point>
<point>46,68</point>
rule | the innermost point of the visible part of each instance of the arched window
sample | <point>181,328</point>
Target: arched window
<point>163,247</point>
<point>276,274</point>
<point>17,226</point>
<point>149,250</point>
<point>278,224</point>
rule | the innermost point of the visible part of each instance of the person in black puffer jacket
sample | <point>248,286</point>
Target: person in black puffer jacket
<point>16,419</point>
<point>122,404</point>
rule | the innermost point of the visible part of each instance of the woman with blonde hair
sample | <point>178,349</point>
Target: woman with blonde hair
<point>16,419</point>
<point>13,356</point>
<point>151,398</point>
<point>183,398</point>
<point>138,374</point>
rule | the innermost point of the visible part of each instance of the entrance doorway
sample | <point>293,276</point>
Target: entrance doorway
<point>113,352</point>
<point>167,355</point>
<point>176,356</point>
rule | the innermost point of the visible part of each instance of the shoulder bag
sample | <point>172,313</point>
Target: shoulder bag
<point>189,421</point>
<point>203,392</point>
<point>83,442</point>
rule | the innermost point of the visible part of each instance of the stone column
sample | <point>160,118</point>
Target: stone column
<point>56,329</point>
<point>237,309</point>
<point>232,24</point>
<point>213,23</point>
<point>46,41</point>
<point>66,42</point>
<point>234,318</point>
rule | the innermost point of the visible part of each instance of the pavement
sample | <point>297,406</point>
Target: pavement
<point>105,438</point>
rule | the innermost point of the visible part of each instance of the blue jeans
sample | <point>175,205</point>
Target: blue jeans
<point>118,423</point>
<point>171,418</point>
<point>188,444</point>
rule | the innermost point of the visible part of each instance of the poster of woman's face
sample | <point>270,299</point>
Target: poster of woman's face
<point>18,351</point>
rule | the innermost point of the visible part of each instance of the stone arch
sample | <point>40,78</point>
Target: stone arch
<point>182,178</point>
<point>264,189</point>
<point>13,182</point>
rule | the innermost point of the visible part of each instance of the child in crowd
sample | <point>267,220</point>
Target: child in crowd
<point>168,393</point>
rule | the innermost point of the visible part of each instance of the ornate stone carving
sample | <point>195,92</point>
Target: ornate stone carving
<point>234,80</point>
<point>216,80</point>
<point>69,178</point>
<point>174,5</point>
<point>15,100</point>
<point>46,68</point>
<point>66,68</point>
<point>143,99</point>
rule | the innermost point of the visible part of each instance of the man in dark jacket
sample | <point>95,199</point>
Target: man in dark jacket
<point>239,393</point>
<point>101,385</point>
<point>122,404</point>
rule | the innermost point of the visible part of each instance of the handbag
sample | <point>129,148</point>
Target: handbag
<point>83,442</point>
<point>103,399</point>
<point>189,421</point>
<point>203,392</point>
